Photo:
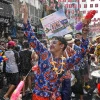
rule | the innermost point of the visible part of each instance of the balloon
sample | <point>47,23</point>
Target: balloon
<point>79,26</point>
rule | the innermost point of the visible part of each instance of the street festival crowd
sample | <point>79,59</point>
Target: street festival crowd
<point>62,65</point>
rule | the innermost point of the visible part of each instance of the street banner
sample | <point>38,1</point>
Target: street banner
<point>56,24</point>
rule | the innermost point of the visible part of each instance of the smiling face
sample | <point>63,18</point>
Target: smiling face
<point>56,45</point>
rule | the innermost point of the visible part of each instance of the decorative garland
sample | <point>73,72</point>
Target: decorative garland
<point>55,69</point>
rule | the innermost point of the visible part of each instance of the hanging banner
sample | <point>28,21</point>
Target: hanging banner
<point>56,24</point>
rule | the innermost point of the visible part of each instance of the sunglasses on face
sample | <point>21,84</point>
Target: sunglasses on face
<point>53,41</point>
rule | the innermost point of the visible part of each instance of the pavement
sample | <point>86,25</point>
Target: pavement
<point>29,95</point>
<point>89,96</point>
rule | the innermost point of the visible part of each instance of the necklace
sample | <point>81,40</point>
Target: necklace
<point>55,69</point>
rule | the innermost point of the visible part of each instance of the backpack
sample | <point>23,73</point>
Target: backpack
<point>25,60</point>
<point>17,59</point>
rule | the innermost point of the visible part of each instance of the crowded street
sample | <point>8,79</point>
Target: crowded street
<point>29,96</point>
<point>49,50</point>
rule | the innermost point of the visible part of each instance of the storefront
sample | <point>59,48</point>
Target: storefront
<point>6,17</point>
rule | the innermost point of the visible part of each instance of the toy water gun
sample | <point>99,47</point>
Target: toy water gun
<point>1,53</point>
<point>86,19</point>
<point>2,58</point>
<point>17,91</point>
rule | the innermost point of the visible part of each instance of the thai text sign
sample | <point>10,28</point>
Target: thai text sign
<point>56,24</point>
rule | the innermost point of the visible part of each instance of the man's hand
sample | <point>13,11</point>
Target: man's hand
<point>24,11</point>
<point>85,31</point>
<point>20,97</point>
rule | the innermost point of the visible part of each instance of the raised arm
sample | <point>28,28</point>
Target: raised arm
<point>33,41</point>
<point>75,59</point>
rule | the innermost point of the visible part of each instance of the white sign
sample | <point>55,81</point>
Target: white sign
<point>56,24</point>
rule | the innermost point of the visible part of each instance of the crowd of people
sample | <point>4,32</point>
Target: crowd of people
<point>63,69</point>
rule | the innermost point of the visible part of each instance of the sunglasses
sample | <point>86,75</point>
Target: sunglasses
<point>53,41</point>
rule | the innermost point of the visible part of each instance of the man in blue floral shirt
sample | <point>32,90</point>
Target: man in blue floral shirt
<point>52,66</point>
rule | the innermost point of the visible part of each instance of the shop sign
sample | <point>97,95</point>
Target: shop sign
<point>4,20</point>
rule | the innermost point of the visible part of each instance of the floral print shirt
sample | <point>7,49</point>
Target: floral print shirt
<point>46,80</point>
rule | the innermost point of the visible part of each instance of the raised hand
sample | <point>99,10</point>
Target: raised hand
<point>24,11</point>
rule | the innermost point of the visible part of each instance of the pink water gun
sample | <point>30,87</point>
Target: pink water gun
<point>17,91</point>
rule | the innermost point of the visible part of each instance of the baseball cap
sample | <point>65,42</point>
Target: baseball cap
<point>11,43</point>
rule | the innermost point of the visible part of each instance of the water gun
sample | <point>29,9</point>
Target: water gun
<point>86,19</point>
<point>2,58</point>
<point>1,53</point>
<point>17,91</point>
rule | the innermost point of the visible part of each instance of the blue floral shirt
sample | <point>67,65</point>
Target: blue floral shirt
<point>46,80</point>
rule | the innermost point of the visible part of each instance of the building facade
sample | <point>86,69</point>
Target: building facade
<point>15,27</point>
<point>6,17</point>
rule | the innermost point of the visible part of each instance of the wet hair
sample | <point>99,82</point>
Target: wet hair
<point>25,45</point>
<point>62,40</point>
<point>44,42</point>
<point>76,40</point>
<point>79,33</point>
<point>17,48</point>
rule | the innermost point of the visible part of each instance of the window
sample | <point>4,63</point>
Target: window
<point>85,5</point>
<point>69,0</point>
<point>91,5</point>
<point>79,6</point>
<point>96,5</point>
<point>83,0</point>
<point>61,0</point>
